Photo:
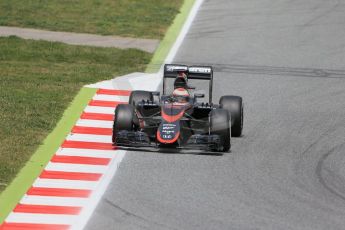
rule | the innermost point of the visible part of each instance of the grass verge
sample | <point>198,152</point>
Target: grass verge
<point>38,80</point>
<point>135,18</point>
<point>11,196</point>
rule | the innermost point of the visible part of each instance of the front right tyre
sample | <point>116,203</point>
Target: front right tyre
<point>139,96</point>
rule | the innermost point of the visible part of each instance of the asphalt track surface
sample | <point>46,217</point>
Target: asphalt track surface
<point>286,58</point>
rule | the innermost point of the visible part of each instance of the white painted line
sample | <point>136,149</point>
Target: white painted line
<point>97,194</point>
<point>182,35</point>
<point>70,184</point>
<point>89,138</point>
<point>53,200</point>
<point>95,123</point>
<point>75,168</point>
<point>87,152</point>
<point>99,109</point>
<point>103,97</point>
<point>17,217</point>
<point>102,85</point>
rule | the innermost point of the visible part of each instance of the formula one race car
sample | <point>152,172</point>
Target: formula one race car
<point>178,119</point>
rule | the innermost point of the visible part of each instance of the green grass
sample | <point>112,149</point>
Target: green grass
<point>133,18</point>
<point>38,80</point>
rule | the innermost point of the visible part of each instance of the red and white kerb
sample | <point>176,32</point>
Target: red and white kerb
<point>60,196</point>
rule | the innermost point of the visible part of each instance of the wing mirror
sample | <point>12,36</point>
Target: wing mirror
<point>199,95</point>
<point>156,93</point>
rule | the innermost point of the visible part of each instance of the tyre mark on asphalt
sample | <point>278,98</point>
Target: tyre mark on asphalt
<point>130,214</point>
<point>323,14</point>
<point>272,70</point>
<point>320,168</point>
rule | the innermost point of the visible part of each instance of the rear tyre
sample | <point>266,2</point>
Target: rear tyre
<point>234,105</point>
<point>219,125</point>
<point>138,96</point>
<point>125,118</point>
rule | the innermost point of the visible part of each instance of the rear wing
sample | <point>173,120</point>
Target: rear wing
<point>193,72</point>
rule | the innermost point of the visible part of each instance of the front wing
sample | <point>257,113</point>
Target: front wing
<point>137,139</point>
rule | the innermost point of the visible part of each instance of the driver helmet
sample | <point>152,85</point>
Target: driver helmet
<point>181,80</point>
<point>181,92</point>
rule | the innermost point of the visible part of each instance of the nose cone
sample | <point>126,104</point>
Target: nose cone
<point>168,133</point>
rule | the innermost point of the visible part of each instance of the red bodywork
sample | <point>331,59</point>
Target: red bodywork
<point>168,131</point>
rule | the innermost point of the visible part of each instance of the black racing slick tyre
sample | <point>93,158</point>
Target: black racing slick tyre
<point>234,105</point>
<point>125,119</point>
<point>219,125</point>
<point>138,96</point>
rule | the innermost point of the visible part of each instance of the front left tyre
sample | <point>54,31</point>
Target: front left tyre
<point>125,119</point>
<point>219,125</point>
<point>234,105</point>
